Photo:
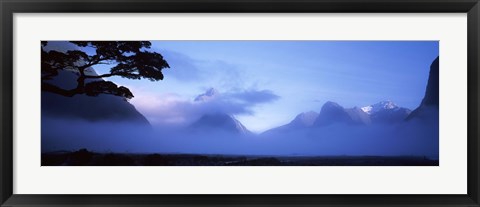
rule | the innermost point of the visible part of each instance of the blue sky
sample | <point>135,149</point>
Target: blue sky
<point>265,84</point>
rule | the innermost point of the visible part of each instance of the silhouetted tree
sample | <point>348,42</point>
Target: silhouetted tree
<point>130,59</point>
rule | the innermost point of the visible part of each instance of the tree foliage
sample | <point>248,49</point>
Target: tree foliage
<point>129,59</point>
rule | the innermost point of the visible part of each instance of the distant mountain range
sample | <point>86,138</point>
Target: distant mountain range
<point>384,112</point>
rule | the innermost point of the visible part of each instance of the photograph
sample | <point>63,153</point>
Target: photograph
<point>240,103</point>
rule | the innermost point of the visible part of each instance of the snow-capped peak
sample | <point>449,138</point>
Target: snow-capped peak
<point>209,94</point>
<point>382,105</point>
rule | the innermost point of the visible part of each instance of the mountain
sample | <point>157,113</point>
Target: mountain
<point>333,113</point>
<point>386,112</point>
<point>380,106</point>
<point>219,122</point>
<point>208,95</point>
<point>103,107</point>
<point>301,121</point>
<point>429,105</point>
<point>358,116</point>
<point>305,119</point>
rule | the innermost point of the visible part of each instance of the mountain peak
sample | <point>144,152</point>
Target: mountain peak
<point>332,112</point>
<point>429,105</point>
<point>308,114</point>
<point>382,105</point>
<point>306,118</point>
<point>220,121</point>
<point>386,112</point>
<point>432,91</point>
<point>331,104</point>
<point>209,94</point>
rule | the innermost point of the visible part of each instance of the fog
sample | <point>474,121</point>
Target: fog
<point>415,137</point>
<point>171,115</point>
<point>167,109</point>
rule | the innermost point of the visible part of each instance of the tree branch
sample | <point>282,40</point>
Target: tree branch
<point>106,75</point>
<point>92,63</point>
<point>57,90</point>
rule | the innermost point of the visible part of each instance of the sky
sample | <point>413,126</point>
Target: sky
<point>265,84</point>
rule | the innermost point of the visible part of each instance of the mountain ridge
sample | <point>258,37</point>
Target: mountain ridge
<point>104,107</point>
<point>430,101</point>
<point>219,122</point>
<point>383,112</point>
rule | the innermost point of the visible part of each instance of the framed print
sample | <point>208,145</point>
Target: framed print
<point>239,103</point>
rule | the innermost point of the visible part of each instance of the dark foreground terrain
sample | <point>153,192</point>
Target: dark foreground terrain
<point>84,157</point>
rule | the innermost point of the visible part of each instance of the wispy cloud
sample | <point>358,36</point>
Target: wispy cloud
<point>187,69</point>
<point>182,67</point>
<point>171,109</point>
<point>253,96</point>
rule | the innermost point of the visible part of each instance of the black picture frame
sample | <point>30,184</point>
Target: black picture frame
<point>10,7</point>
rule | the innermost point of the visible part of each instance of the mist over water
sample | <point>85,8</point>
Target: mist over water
<point>416,137</point>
